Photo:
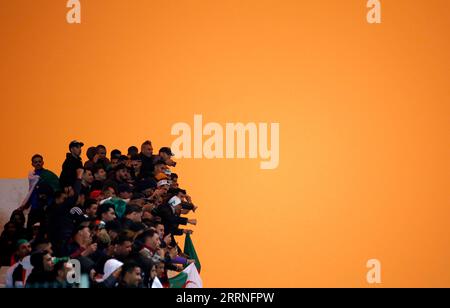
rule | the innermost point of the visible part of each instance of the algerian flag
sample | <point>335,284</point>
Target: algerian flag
<point>189,249</point>
<point>188,278</point>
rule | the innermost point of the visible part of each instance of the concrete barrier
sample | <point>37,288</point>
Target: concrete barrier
<point>12,193</point>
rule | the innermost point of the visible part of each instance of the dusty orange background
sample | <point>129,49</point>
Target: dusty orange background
<point>363,112</point>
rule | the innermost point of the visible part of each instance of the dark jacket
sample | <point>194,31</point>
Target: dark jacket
<point>170,219</point>
<point>60,223</point>
<point>146,167</point>
<point>69,170</point>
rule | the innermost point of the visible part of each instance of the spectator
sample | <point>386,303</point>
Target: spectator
<point>115,155</point>
<point>86,182</point>
<point>166,154</point>
<point>90,208</point>
<point>81,244</point>
<point>136,164</point>
<point>16,274</point>
<point>92,156</point>
<point>123,246</point>
<point>112,273</point>
<point>71,164</point>
<point>146,159</point>
<point>132,150</point>
<point>130,276</point>
<point>42,274</point>
<point>106,212</point>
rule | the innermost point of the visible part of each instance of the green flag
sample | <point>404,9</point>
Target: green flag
<point>190,251</point>
<point>178,281</point>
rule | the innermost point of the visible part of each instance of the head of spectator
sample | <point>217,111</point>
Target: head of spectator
<point>41,261</point>
<point>133,213</point>
<point>108,192</point>
<point>174,180</point>
<point>147,212</point>
<point>147,187</point>
<point>131,276</point>
<point>159,166</point>
<point>159,227</point>
<point>147,149</point>
<point>151,240</point>
<point>106,212</point>
<point>90,208</point>
<point>160,270</point>
<point>23,249</point>
<point>113,228</point>
<point>99,173</point>
<point>62,269</point>
<point>101,151</point>
<point>115,155</point>
<point>166,154</point>
<point>60,197</point>
<point>132,150</point>
<point>121,173</point>
<point>82,235</point>
<point>37,161</point>
<point>41,244</point>
<point>90,153</point>
<point>75,148</point>
<point>123,246</point>
<point>112,267</point>
<point>87,178</point>
<point>162,187</point>
<point>18,218</point>
<point>125,191</point>
<point>135,162</point>
<point>9,230</point>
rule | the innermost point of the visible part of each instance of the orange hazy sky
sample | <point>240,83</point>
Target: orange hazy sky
<point>363,112</point>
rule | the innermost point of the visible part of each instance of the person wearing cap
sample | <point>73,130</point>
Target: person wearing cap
<point>166,154</point>
<point>71,164</point>
<point>162,187</point>
<point>170,216</point>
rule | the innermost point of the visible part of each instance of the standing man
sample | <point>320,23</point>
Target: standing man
<point>71,164</point>
<point>42,182</point>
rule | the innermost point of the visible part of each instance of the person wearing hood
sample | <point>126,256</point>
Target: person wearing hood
<point>71,164</point>
<point>111,274</point>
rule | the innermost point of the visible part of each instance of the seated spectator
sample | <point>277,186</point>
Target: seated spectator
<point>130,276</point>
<point>42,274</point>
<point>16,274</point>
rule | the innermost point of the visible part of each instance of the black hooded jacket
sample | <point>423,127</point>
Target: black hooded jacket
<point>69,170</point>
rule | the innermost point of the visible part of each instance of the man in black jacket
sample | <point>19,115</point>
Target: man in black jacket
<point>71,164</point>
<point>170,216</point>
<point>60,221</point>
<point>147,158</point>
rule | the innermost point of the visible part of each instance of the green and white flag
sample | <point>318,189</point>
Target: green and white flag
<point>189,249</point>
<point>188,278</point>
